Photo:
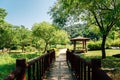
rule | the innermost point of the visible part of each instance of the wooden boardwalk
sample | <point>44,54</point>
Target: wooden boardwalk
<point>59,70</point>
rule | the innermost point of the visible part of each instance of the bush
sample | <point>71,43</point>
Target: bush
<point>108,44</point>
<point>116,43</point>
<point>30,49</point>
<point>15,47</point>
<point>94,45</point>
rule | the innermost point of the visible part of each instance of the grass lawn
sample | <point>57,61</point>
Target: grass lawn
<point>7,62</point>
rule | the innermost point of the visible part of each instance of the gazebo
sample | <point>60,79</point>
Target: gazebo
<point>83,40</point>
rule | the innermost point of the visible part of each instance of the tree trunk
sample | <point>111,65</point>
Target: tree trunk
<point>45,47</point>
<point>23,48</point>
<point>9,49</point>
<point>103,47</point>
<point>2,49</point>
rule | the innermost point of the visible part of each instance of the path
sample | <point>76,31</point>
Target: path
<point>59,70</point>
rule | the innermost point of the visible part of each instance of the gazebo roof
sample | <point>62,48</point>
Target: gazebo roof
<point>80,39</point>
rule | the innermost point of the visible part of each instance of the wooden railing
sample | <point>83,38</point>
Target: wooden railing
<point>34,69</point>
<point>84,70</point>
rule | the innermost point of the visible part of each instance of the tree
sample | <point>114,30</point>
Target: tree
<point>5,35</point>
<point>45,31</point>
<point>8,36</point>
<point>38,43</point>
<point>5,30</point>
<point>23,36</point>
<point>61,37</point>
<point>83,30</point>
<point>50,34</point>
<point>3,14</point>
<point>102,13</point>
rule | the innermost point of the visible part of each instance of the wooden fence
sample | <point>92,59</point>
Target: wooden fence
<point>84,70</point>
<point>34,69</point>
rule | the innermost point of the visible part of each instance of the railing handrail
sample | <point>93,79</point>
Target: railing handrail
<point>34,60</point>
<point>78,65</point>
<point>17,71</point>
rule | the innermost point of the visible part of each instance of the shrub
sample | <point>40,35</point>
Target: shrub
<point>108,44</point>
<point>116,43</point>
<point>15,47</point>
<point>94,45</point>
<point>30,49</point>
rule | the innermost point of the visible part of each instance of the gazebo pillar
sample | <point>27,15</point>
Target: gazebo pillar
<point>74,45</point>
<point>84,45</point>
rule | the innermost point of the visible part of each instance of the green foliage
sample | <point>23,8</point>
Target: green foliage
<point>22,36</point>
<point>13,36</point>
<point>109,62</point>
<point>44,31</point>
<point>103,13</point>
<point>94,45</point>
<point>83,30</point>
<point>7,62</point>
<point>108,43</point>
<point>61,37</point>
<point>38,43</point>
<point>75,30</point>
<point>58,15</point>
<point>6,35</point>
<point>74,11</point>
<point>49,34</point>
<point>3,14</point>
<point>116,43</point>
<point>30,49</point>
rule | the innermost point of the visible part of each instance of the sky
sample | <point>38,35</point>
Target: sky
<point>27,12</point>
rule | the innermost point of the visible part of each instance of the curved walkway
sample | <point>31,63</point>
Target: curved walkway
<point>59,70</point>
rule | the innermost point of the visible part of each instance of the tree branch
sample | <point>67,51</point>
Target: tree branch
<point>109,27</point>
<point>113,1</point>
<point>101,20</point>
<point>102,6</point>
<point>101,27</point>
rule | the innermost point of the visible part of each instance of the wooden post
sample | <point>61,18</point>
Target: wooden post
<point>21,64</point>
<point>83,44</point>
<point>74,47</point>
<point>96,64</point>
<point>53,55</point>
<point>97,72</point>
<point>85,47</point>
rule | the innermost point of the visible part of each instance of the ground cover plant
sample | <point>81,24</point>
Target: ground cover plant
<point>7,62</point>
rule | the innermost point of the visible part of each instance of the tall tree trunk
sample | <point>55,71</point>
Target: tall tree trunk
<point>103,46</point>
<point>2,49</point>
<point>9,49</point>
<point>46,44</point>
<point>23,48</point>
